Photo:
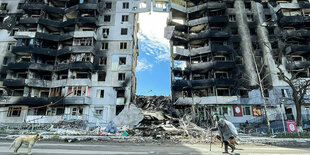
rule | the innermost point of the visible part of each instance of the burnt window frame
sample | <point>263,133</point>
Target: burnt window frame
<point>4,5</point>
<point>105,31</point>
<point>14,112</point>
<point>121,76</point>
<point>102,61</point>
<point>5,61</point>
<point>124,31</point>
<point>100,93</point>
<point>250,18</point>
<point>102,76</point>
<point>120,93</point>
<point>125,5</point>
<point>217,91</point>
<point>108,5</point>
<point>105,46</point>
<point>123,45</point>
<point>125,18</point>
<point>107,18</point>
<point>232,18</point>
<point>122,60</point>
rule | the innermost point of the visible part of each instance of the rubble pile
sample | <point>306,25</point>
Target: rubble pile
<point>150,117</point>
<point>71,124</point>
<point>157,103</point>
<point>163,121</point>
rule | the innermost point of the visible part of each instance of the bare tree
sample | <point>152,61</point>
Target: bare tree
<point>299,87</point>
<point>262,76</point>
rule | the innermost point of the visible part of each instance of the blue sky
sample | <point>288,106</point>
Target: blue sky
<point>153,68</point>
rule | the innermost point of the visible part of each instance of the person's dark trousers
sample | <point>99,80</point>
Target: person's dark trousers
<point>226,146</point>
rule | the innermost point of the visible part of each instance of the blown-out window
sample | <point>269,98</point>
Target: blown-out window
<point>14,112</point>
<point>125,5</point>
<point>124,31</point>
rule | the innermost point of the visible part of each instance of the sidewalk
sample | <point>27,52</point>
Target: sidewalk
<point>244,139</point>
<point>276,141</point>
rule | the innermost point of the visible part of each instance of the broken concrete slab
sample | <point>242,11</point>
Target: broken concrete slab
<point>130,116</point>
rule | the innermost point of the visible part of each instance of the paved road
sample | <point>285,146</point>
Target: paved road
<point>57,148</point>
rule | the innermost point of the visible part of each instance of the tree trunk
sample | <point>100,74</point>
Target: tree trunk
<point>298,111</point>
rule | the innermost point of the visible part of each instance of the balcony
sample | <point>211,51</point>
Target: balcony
<point>292,20</point>
<point>209,34</point>
<point>297,49</point>
<point>214,20</point>
<point>14,82</point>
<point>205,66</point>
<point>44,36</point>
<point>196,8</point>
<point>29,65</point>
<point>204,83</point>
<point>183,54</point>
<point>181,84</point>
<point>193,9</point>
<point>223,49</point>
<point>27,50</point>
<point>201,35</point>
<point>71,82</point>
<point>297,65</point>
<point>286,6</point>
<point>58,24</point>
<point>76,49</point>
<point>75,66</point>
<point>38,83</point>
<point>31,101</point>
<point>51,9</point>
<point>179,72</point>
<point>27,82</point>
<point>51,37</point>
<point>77,100</point>
<point>41,6</point>
<point>81,34</point>
<point>295,34</point>
<point>208,100</point>
<point>178,7</point>
<point>198,21</point>
<point>39,101</point>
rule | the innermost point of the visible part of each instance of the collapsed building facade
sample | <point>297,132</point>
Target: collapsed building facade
<point>86,49</point>
<point>226,44</point>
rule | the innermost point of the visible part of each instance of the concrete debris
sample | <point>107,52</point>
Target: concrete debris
<point>129,116</point>
<point>71,124</point>
<point>163,121</point>
<point>155,115</point>
<point>152,117</point>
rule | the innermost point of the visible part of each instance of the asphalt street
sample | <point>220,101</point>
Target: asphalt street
<point>58,148</point>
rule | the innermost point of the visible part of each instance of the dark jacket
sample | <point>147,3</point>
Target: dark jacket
<point>223,129</point>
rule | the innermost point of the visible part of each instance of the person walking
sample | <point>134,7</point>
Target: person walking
<point>225,131</point>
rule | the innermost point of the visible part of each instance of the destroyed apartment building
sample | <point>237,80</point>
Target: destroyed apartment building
<point>86,49</point>
<point>224,46</point>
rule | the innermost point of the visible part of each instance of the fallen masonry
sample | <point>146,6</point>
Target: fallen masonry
<point>151,117</point>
